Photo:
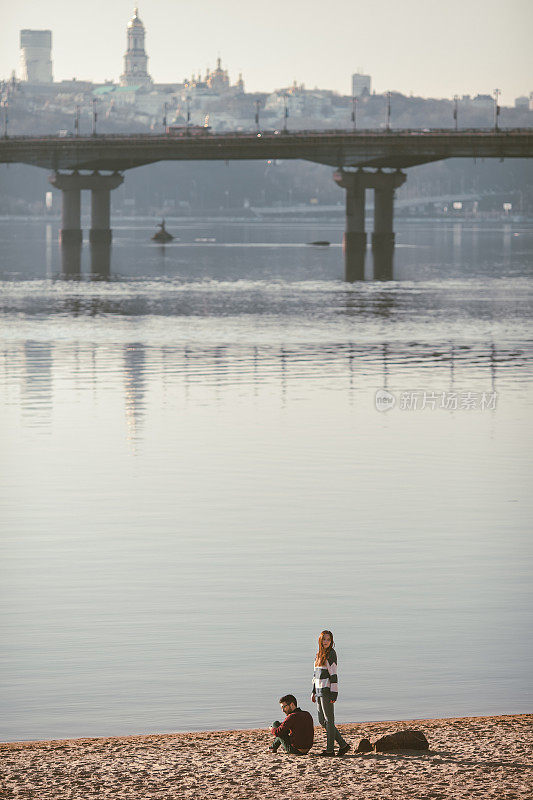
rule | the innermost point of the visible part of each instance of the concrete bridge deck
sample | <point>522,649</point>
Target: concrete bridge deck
<point>394,149</point>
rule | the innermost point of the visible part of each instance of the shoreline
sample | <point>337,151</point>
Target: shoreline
<point>488,757</point>
<point>327,214</point>
<point>361,723</point>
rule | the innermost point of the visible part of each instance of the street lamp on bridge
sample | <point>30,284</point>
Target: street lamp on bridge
<point>496,93</point>
<point>257,110</point>
<point>165,109</point>
<point>95,116</point>
<point>387,126</point>
<point>354,111</point>
<point>6,118</point>
<point>188,99</point>
<point>286,111</point>
<point>455,109</point>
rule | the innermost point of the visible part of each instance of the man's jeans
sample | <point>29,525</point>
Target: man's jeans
<point>284,742</point>
<point>326,718</point>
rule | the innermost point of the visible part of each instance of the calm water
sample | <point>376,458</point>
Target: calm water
<point>196,479</point>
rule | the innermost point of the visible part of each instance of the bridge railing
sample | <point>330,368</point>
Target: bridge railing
<point>312,134</point>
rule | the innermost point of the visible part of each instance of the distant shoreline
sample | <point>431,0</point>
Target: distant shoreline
<point>278,214</point>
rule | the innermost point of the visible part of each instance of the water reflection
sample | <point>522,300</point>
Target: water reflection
<point>506,246</point>
<point>323,307</point>
<point>457,243</point>
<point>100,261</point>
<point>378,304</point>
<point>383,261</point>
<point>70,261</point>
<point>352,366</point>
<point>49,251</point>
<point>134,383</point>
<point>381,265</point>
<point>36,396</point>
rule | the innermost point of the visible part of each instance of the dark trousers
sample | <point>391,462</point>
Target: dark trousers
<point>326,718</point>
<point>284,742</point>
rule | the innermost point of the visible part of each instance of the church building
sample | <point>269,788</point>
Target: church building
<point>135,58</point>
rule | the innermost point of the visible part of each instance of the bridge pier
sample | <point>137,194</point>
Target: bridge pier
<point>70,232</point>
<point>354,242</point>
<point>385,184</point>
<point>100,187</point>
<point>354,239</point>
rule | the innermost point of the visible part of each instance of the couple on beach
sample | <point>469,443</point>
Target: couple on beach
<point>295,734</point>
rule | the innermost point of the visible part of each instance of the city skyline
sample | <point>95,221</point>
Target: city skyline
<point>470,55</point>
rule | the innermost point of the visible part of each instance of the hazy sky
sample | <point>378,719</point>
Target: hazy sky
<point>428,47</point>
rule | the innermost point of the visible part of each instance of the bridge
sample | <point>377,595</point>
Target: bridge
<point>363,160</point>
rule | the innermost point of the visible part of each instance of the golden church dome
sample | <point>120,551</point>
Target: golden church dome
<point>135,21</point>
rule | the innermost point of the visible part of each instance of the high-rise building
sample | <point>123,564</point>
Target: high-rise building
<point>36,56</point>
<point>360,84</point>
<point>135,59</point>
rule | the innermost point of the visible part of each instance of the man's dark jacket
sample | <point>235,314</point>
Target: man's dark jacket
<point>298,728</point>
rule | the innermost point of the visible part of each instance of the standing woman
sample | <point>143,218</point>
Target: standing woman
<point>325,692</point>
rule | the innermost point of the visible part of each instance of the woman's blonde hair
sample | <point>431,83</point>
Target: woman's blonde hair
<point>323,652</point>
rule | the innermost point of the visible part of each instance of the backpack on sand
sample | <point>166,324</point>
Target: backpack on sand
<point>403,740</point>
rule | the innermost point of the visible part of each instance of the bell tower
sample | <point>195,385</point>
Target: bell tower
<point>135,58</point>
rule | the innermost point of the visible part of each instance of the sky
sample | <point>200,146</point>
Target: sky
<point>426,47</point>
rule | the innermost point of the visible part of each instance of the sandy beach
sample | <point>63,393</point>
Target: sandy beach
<point>472,757</point>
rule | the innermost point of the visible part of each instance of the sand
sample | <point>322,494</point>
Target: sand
<point>475,757</point>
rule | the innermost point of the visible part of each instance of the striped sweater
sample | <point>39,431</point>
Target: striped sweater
<point>325,681</point>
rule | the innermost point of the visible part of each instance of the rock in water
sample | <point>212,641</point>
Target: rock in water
<point>403,740</point>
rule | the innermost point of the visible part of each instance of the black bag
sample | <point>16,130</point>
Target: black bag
<point>403,740</point>
<point>364,746</point>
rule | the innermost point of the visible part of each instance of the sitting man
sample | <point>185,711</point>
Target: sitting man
<point>295,733</point>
